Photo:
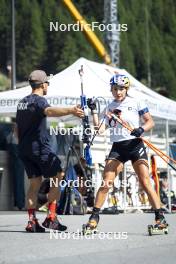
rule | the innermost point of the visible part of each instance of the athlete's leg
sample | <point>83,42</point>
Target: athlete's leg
<point>111,170</point>
<point>141,169</point>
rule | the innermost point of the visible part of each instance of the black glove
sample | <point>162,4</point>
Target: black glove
<point>137,132</point>
<point>117,112</point>
<point>91,104</point>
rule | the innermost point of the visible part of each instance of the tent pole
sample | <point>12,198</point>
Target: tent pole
<point>168,169</point>
<point>125,187</point>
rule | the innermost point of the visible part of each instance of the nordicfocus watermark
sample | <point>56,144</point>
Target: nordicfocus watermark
<point>78,131</point>
<point>79,235</point>
<point>55,26</point>
<point>79,183</point>
<point>82,183</point>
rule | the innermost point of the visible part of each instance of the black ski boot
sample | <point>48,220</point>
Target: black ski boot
<point>160,226</point>
<point>91,226</point>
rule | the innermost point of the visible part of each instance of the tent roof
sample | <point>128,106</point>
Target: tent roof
<point>65,89</point>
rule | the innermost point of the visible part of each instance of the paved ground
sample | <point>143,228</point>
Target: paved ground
<point>17,246</point>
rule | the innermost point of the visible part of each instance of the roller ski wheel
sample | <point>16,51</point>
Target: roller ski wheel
<point>86,230</point>
<point>158,229</point>
<point>91,227</point>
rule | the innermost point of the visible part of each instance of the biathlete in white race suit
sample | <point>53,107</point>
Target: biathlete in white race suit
<point>126,146</point>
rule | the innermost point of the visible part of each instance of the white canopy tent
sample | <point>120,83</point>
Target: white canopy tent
<point>65,89</point>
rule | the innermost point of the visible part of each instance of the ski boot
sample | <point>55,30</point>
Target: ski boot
<point>91,227</point>
<point>160,227</point>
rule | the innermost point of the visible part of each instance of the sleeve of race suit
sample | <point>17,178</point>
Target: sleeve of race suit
<point>142,108</point>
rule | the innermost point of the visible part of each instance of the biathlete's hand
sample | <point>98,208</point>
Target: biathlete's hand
<point>91,104</point>
<point>137,132</point>
<point>77,111</point>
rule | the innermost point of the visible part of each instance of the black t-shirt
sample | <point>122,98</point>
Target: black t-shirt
<point>31,123</point>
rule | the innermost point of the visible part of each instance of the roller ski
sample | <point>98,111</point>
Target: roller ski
<point>91,227</point>
<point>160,227</point>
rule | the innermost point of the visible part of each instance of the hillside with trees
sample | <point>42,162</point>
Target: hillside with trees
<point>38,47</point>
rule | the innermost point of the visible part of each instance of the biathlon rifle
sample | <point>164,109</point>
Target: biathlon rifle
<point>86,135</point>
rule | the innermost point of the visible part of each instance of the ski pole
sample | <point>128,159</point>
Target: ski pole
<point>149,144</point>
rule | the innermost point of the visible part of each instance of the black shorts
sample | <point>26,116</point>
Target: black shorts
<point>132,149</point>
<point>47,165</point>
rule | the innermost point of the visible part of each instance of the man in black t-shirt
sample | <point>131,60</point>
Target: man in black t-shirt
<point>35,150</point>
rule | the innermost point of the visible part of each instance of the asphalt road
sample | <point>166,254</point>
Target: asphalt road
<point>121,239</point>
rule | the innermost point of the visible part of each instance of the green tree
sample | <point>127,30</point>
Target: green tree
<point>38,47</point>
<point>5,34</point>
<point>29,37</point>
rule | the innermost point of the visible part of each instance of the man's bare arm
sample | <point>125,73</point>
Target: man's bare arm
<point>59,111</point>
